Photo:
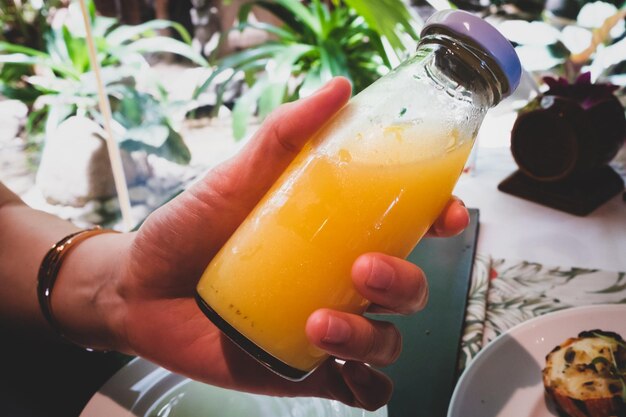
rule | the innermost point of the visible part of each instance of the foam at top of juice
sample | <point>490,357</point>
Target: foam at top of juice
<point>395,144</point>
<point>379,128</point>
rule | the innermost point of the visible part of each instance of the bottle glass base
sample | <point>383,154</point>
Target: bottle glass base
<point>268,360</point>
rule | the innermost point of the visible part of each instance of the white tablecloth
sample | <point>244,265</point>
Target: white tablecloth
<point>513,228</point>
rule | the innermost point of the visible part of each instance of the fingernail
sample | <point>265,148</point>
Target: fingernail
<point>361,374</point>
<point>458,200</point>
<point>381,275</point>
<point>337,332</point>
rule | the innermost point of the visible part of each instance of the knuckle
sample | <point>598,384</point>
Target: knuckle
<point>382,344</point>
<point>370,342</point>
<point>419,296</point>
<point>277,124</point>
<point>410,299</point>
<point>395,346</point>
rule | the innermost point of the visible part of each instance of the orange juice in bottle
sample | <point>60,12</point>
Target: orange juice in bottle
<point>374,178</point>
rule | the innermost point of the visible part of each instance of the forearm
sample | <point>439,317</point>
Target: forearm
<point>25,237</point>
<point>84,290</point>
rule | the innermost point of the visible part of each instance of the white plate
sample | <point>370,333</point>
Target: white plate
<point>142,389</point>
<point>504,380</point>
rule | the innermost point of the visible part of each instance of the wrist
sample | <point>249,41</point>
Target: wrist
<point>86,301</point>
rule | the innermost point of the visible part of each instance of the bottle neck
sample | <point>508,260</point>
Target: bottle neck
<point>463,69</point>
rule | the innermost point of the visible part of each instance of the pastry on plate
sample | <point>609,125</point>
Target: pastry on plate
<point>585,376</point>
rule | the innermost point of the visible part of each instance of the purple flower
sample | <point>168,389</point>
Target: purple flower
<point>582,90</point>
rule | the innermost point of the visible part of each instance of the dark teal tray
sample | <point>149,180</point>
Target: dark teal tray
<point>426,372</point>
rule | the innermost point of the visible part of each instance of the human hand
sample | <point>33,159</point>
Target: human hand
<point>155,314</point>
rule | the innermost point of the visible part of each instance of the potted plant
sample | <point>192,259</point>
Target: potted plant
<point>355,39</point>
<point>61,85</point>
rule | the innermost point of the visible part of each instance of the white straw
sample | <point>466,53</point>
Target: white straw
<point>105,108</point>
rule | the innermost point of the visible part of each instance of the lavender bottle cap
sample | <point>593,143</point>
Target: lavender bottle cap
<point>463,24</point>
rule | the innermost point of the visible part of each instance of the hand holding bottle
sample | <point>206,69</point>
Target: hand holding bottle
<point>151,310</point>
<point>373,179</point>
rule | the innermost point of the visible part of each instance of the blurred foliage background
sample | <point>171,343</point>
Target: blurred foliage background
<point>261,53</point>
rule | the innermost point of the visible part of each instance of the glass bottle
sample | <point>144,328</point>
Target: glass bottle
<point>374,179</point>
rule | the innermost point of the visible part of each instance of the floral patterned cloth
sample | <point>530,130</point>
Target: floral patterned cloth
<point>504,293</point>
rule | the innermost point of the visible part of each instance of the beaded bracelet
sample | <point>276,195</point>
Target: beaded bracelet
<point>49,270</point>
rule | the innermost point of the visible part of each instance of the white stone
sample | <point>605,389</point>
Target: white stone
<point>12,114</point>
<point>13,108</point>
<point>75,164</point>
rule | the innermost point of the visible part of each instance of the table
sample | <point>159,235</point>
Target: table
<point>513,228</point>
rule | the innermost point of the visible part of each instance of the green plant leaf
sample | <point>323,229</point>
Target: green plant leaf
<point>147,126</point>
<point>203,87</point>
<point>337,58</point>
<point>305,27</point>
<point>131,105</point>
<point>281,33</point>
<point>57,114</point>
<point>312,82</point>
<point>244,107</point>
<point>171,145</point>
<point>258,52</point>
<point>377,45</point>
<point>77,50</point>
<point>271,97</point>
<point>128,33</point>
<point>6,47</point>
<point>254,66</point>
<point>160,44</point>
<point>101,25</point>
<point>285,58</point>
<point>333,63</point>
<point>35,121</point>
<point>49,85</point>
<point>384,16</point>
<point>56,47</point>
<point>14,74</point>
<point>91,9</point>
<point>278,76</point>
<point>25,95</point>
<point>154,135</point>
<point>284,15</point>
<point>323,17</point>
<point>237,61</point>
<point>302,13</point>
<point>22,59</point>
<point>177,150</point>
